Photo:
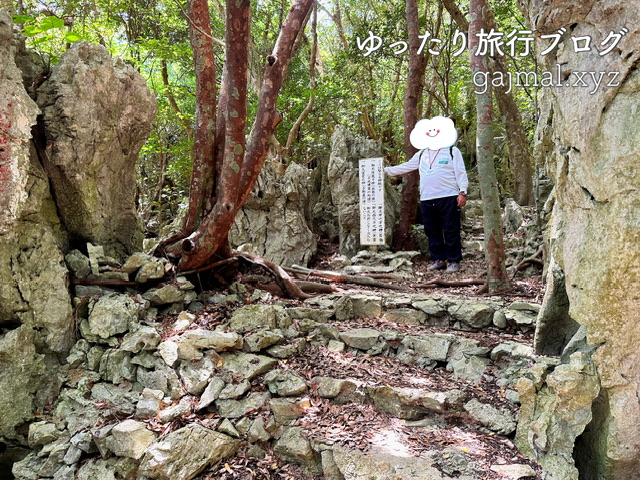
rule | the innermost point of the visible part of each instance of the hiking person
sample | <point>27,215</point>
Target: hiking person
<point>443,188</point>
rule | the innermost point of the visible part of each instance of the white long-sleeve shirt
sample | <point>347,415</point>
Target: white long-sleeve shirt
<point>440,175</point>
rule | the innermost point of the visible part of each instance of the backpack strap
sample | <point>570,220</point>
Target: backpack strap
<point>451,151</point>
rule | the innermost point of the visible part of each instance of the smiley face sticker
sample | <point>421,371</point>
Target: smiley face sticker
<point>434,133</point>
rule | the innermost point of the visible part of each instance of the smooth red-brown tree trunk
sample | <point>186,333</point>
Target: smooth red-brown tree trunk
<point>238,165</point>
<point>497,278</point>
<point>202,175</point>
<point>413,94</point>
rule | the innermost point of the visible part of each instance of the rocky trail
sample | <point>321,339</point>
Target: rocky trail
<point>362,384</point>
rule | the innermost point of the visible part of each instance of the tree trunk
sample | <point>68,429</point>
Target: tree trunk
<point>413,94</point>
<point>312,86</point>
<point>497,278</point>
<point>519,149</point>
<point>238,166</point>
<point>172,99</point>
<point>202,174</point>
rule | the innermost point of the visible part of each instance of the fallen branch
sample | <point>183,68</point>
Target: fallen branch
<point>437,282</point>
<point>285,282</point>
<point>106,282</point>
<point>343,278</point>
<point>385,276</point>
<point>263,281</point>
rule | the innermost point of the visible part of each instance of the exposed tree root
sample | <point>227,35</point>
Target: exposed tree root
<point>211,265</point>
<point>284,281</point>
<point>313,287</point>
<point>535,258</point>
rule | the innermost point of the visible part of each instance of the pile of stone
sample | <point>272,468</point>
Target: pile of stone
<point>384,262</point>
<point>143,400</point>
<point>522,233</point>
<point>139,268</point>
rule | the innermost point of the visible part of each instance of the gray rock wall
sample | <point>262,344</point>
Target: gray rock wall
<point>274,218</point>
<point>97,115</point>
<point>589,139</point>
<point>36,318</point>
<point>342,180</point>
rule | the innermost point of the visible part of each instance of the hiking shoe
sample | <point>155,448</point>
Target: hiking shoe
<point>437,265</point>
<point>453,267</point>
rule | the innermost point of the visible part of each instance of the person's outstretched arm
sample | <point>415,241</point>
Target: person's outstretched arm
<point>409,166</point>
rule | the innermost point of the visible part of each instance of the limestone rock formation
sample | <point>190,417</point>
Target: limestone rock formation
<point>186,452</point>
<point>323,212</point>
<point>589,136</point>
<point>35,307</point>
<point>273,220</point>
<point>556,409</point>
<point>342,179</point>
<point>129,406</point>
<point>97,115</point>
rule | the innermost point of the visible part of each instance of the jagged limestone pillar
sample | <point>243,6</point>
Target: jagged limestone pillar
<point>589,136</point>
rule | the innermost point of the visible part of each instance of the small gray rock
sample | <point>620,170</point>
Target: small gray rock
<point>193,341</point>
<point>145,338</point>
<point>406,316</point>
<point>130,439</point>
<point>472,314</point>
<point>78,263</point>
<point>166,295</point>
<point>253,317</point>
<point>150,271</point>
<point>211,393</point>
<point>239,408</point>
<point>234,391</point>
<point>228,428</point>
<point>285,383</point>
<point>292,446</point>
<point>112,315</point>
<point>262,339</point>
<point>499,421</point>
<point>195,375</point>
<point>169,352</point>
<point>42,433</point>
<point>183,407</point>
<point>186,452</point>
<point>247,364</point>
<point>149,403</point>
<point>257,432</point>
<point>360,338</point>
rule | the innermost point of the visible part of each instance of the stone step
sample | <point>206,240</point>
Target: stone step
<point>292,380</point>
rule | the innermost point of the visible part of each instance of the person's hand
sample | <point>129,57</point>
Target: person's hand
<point>462,200</point>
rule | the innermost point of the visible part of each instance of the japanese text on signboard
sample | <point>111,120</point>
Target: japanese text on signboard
<point>371,202</point>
